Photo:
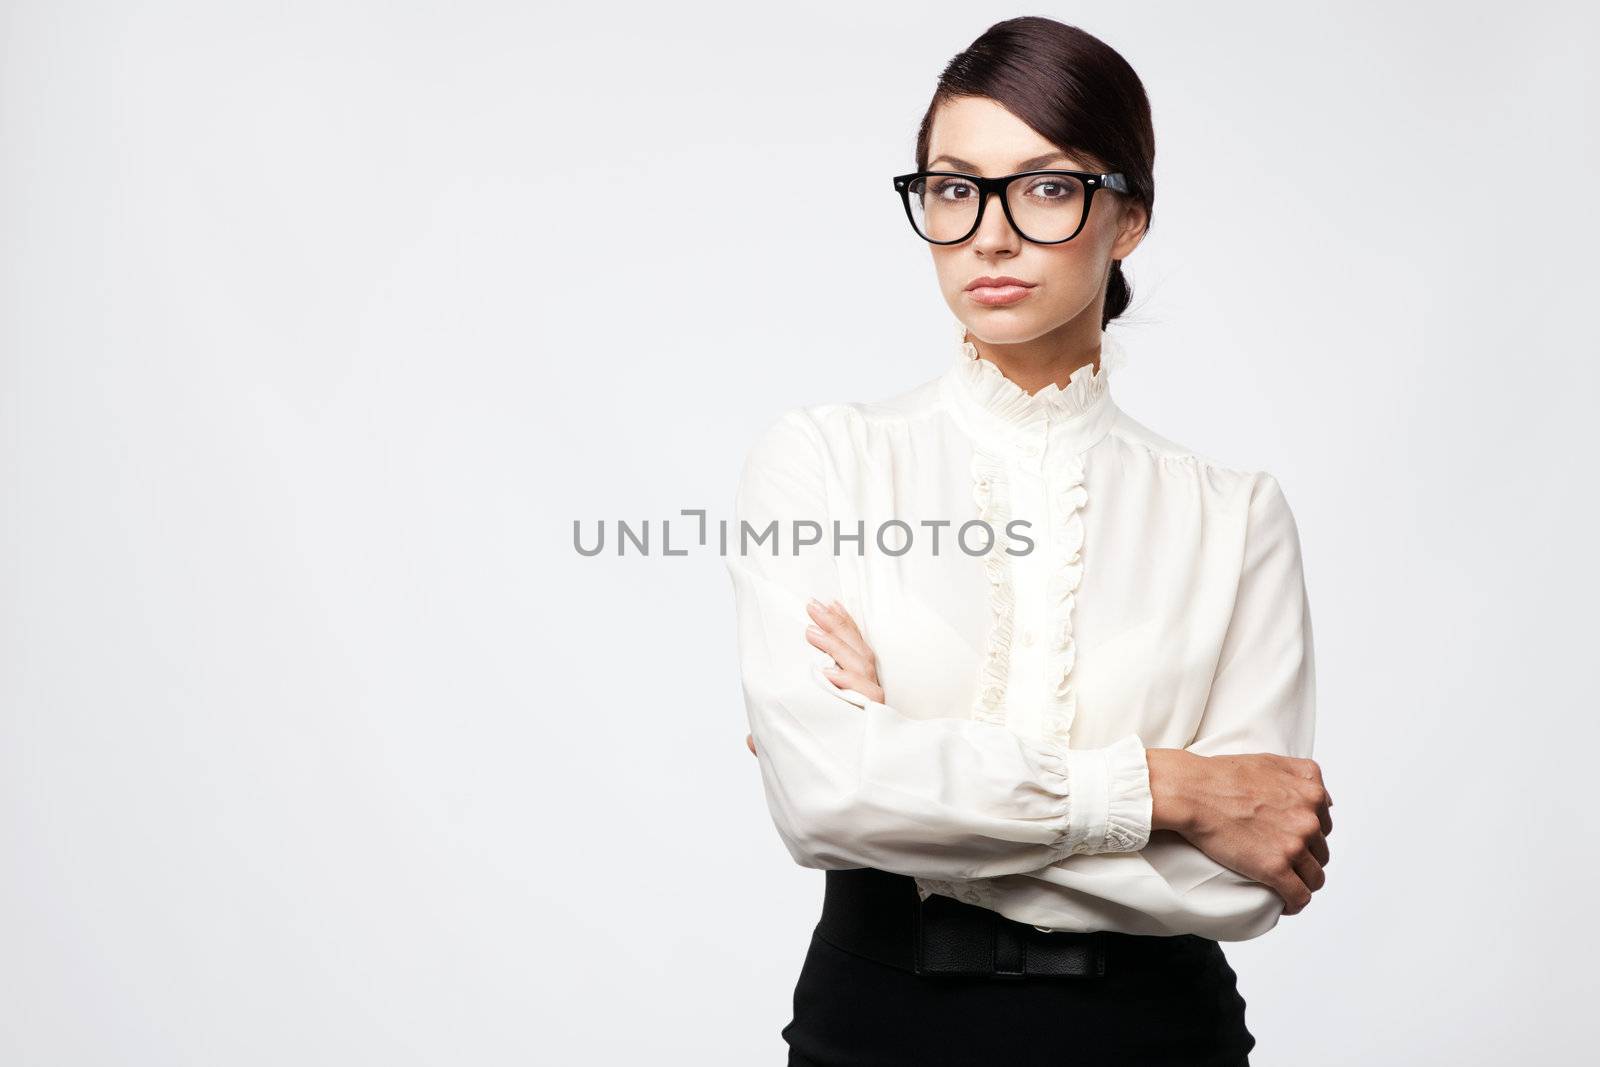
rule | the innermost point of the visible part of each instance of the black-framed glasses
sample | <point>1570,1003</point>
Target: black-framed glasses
<point>1047,208</point>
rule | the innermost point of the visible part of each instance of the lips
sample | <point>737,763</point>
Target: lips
<point>997,292</point>
<point>986,282</point>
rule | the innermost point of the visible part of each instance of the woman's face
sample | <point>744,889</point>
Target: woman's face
<point>1065,283</point>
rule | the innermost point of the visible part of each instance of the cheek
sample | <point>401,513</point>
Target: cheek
<point>1100,228</point>
<point>951,278</point>
<point>1073,270</point>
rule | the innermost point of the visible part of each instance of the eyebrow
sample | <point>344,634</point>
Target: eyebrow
<point>1027,164</point>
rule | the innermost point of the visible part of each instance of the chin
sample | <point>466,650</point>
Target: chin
<point>1007,325</point>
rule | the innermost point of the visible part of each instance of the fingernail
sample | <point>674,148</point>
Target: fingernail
<point>814,631</point>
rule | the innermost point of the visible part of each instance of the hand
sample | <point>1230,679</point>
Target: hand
<point>855,665</point>
<point>1263,815</point>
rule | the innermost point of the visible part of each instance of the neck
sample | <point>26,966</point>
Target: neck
<point>1045,360</point>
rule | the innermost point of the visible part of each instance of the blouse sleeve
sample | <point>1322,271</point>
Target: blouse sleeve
<point>1263,695</point>
<point>865,785</point>
<point>1262,699</point>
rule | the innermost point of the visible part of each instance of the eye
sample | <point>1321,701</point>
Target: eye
<point>1045,187</point>
<point>953,189</point>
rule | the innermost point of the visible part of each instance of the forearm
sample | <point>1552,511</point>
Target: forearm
<point>1168,887</point>
<point>1172,772</point>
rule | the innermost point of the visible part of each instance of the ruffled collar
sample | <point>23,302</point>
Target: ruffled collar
<point>1070,418</point>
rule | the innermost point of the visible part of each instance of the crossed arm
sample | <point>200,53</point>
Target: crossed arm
<point>1263,815</point>
<point>847,776</point>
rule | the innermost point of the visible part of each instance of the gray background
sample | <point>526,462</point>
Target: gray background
<point>321,322</point>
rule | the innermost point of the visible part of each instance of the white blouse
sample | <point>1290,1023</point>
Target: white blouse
<point>1133,593</point>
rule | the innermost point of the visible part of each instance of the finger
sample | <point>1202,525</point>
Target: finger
<point>1295,893</point>
<point>839,625</point>
<point>851,633</point>
<point>849,621</point>
<point>824,619</point>
<point>1310,770</point>
<point>1318,846</point>
<point>1317,798</point>
<point>750,743</point>
<point>853,680</point>
<point>845,656</point>
<point>1310,872</point>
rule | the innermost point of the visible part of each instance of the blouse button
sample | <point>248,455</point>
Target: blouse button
<point>1028,637</point>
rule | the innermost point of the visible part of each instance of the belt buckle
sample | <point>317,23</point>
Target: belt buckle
<point>1065,953</point>
<point>955,938</point>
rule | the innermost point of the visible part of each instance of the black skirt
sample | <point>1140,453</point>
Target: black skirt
<point>1160,1000</point>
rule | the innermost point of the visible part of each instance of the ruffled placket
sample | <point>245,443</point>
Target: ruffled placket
<point>1066,574</point>
<point>1028,453</point>
<point>991,491</point>
<point>1028,460</point>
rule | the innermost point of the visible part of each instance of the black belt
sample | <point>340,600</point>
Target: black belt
<point>879,915</point>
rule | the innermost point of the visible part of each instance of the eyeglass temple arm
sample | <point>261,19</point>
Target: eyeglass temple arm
<point>1115,182</point>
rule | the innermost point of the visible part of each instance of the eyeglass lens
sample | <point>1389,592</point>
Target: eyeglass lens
<point>1044,207</point>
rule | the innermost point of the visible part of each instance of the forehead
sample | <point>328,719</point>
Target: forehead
<point>980,135</point>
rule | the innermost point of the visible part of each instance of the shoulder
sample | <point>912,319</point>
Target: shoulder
<point>817,430</point>
<point>1252,488</point>
<point>1135,436</point>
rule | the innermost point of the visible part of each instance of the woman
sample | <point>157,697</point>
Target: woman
<point>1048,769</point>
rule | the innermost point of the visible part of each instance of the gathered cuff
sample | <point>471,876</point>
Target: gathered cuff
<point>1111,799</point>
<point>1105,793</point>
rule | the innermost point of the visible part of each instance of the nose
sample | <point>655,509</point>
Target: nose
<point>995,234</point>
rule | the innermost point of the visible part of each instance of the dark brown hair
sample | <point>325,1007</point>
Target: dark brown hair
<point>1076,91</point>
